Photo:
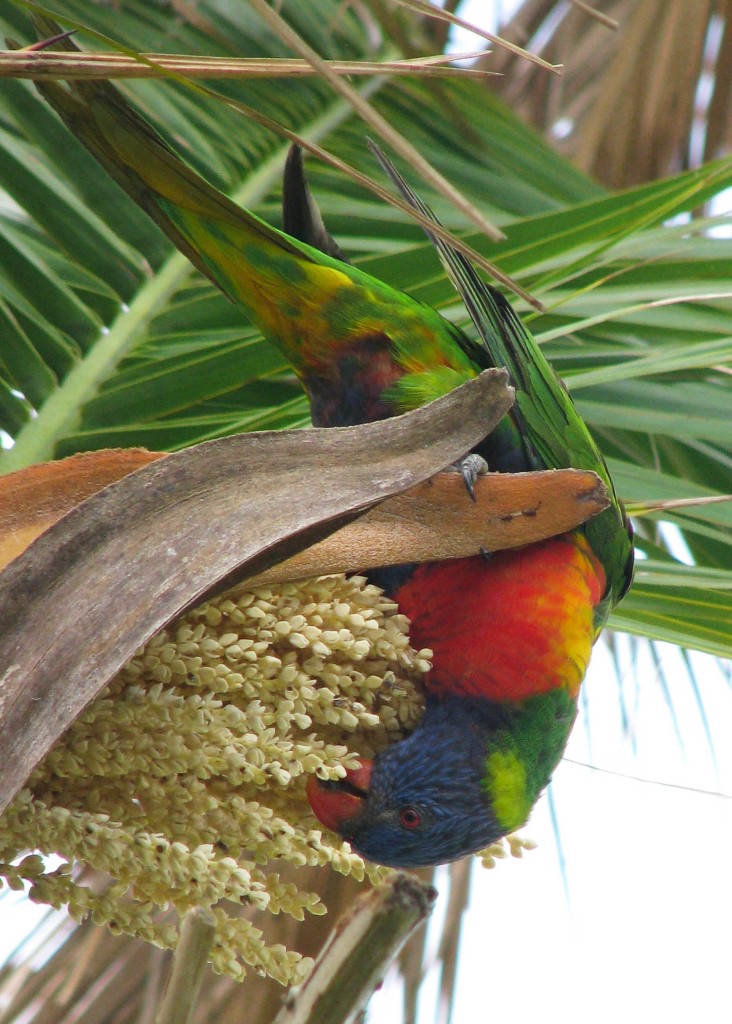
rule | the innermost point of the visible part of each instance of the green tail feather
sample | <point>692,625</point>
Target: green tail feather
<point>550,430</point>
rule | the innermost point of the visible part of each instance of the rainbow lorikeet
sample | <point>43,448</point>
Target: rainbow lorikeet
<point>511,633</point>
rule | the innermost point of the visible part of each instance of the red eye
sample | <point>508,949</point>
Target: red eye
<point>409,818</point>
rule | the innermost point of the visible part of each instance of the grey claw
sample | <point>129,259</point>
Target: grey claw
<point>472,466</point>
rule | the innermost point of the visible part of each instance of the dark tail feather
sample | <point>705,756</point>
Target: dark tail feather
<point>301,217</point>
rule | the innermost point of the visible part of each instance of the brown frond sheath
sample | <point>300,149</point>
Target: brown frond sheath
<point>78,603</point>
<point>512,509</point>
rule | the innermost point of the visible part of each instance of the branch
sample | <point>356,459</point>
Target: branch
<point>510,510</point>
<point>189,963</point>
<point>51,65</point>
<point>359,952</point>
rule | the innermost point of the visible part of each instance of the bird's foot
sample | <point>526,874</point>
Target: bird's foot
<point>471,467</point>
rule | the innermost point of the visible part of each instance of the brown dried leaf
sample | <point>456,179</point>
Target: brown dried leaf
<point>91,590</point>
<point>417,526</point>
<point>631,103</point>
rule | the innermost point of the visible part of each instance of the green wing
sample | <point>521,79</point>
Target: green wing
<point>549,429</point>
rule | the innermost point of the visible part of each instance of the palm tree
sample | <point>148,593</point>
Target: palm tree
<point>109,339</point>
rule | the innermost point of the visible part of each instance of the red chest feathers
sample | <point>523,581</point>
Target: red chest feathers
<point>516,624</point>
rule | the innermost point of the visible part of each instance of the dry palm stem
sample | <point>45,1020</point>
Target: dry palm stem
<point>191,953</point>
<point>33,63</point>
<point>358,953</point>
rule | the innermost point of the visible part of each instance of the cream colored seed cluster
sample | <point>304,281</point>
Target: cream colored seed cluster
<point>512,845</point>
<point>184,782</point>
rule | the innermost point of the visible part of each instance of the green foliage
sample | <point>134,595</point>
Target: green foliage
<point>108,338</point>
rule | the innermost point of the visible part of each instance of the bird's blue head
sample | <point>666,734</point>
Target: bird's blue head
<point>422,801</point>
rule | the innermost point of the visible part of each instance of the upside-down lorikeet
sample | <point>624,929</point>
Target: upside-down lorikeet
<point>512,633</point>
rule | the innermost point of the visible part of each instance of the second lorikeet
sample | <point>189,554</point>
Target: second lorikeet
<point>511,633</point>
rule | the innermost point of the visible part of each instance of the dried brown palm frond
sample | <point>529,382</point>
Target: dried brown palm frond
<point>649,98</point>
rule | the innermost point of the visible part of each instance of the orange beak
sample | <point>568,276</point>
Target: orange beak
<point>336,803</point>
